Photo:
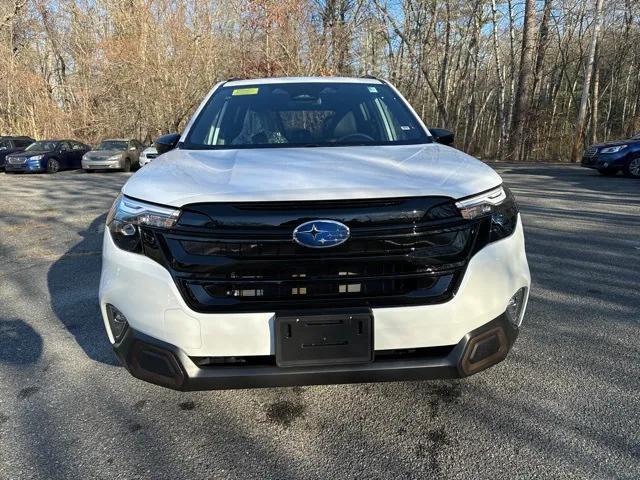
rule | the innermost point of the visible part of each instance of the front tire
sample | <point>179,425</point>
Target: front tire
<point>632,168</point>
<point>53,166</point>
<point>127,165</point>
<point>88,170</point>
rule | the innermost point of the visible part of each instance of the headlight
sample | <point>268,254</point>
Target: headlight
<point>127,216</point>
<point>498,203</point>
<point>36,157</point>
<point>115,157</point>
<point>615,149</point>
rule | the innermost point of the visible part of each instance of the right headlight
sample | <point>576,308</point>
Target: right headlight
<point>498,203</point>
<point>127,216</point>
<point>615,149</point>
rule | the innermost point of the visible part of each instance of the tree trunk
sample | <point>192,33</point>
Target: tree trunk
<point>595,101</point>
<point>525,77</point>
<point>581,121</point>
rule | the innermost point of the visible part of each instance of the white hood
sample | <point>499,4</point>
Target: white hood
<point>180,177</point>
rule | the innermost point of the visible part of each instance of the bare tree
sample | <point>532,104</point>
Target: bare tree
<point>581,120</point>
<point>525,78</point>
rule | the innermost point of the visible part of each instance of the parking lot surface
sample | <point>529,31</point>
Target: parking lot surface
<point>565,403</point>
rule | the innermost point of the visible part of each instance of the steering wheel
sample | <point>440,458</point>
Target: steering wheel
<point>355,137</point>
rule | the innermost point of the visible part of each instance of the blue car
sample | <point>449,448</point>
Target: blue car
<point>47,156</point>
<point>613,157</point>
<point>9,145</point>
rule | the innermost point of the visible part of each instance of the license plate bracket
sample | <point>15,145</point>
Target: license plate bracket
<point>330,337</point>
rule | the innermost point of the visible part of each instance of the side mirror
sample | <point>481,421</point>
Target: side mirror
<point>442,136</point>
<point>166,142</point>
<point>132,148</point>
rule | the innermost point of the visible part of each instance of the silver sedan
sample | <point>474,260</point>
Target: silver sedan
<point>113,154</point>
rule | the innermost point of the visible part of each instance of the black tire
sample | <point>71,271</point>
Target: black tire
<point>53,166</point>
<point>88,170</point>
<point>127,165</point>
<point>608,172</point>
<point>632,168</point>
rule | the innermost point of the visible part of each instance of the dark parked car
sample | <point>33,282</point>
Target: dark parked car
<point>12,145</point>
<point>47,156</point>
<point>120,154</point>
<point>611,157</point>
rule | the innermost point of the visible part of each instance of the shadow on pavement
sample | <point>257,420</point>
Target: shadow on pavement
<point>20,344</point>
<point>73,282</point>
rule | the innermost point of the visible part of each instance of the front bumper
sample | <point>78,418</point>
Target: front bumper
<point>144,291</point>
<point>603,161</point>
<point>25,167</point>
<point>166,365</point>
<point>101,164</point>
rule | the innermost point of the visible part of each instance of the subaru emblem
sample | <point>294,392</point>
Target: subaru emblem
<point>321,234</point>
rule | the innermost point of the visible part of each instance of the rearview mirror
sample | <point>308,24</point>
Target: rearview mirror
<point>166,142</point>
<point>440,135</point>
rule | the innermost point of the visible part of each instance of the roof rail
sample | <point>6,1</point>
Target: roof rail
<point>373,77</point>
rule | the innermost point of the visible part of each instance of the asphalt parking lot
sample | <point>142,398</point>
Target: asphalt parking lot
<point>565,404</point>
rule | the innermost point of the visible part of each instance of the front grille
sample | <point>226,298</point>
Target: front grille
<point>241,257</point>
<point>151,155</point>
<point>16,161</point>
<point>590,152</point>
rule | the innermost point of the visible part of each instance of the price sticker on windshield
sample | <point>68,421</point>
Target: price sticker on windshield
<point>245,91</point>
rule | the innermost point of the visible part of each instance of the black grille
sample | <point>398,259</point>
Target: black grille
<point>242,257</point>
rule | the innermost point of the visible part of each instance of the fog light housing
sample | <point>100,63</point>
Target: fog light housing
<point>515,307</point>
<point>117,322</point>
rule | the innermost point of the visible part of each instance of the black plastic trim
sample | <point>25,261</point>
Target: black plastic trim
<point>188,376</point>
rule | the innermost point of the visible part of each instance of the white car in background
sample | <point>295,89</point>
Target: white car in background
<point>147,155</point>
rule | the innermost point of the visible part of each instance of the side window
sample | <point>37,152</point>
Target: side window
<point>22,143</point>
<point>77,146</point>
<point>65,147</point>
<point>5,144</point>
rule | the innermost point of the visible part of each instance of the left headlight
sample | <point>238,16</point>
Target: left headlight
<point>117,156</point>
<point>498,203</point>
<point>615,149</point>
<point>127,216</point>
<point>36,157</point>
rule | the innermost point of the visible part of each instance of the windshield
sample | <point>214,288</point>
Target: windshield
<point>112,145</point>
<point>41,146</point>
<point>305,114</point>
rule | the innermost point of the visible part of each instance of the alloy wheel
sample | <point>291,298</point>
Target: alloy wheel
<point>53,166</point>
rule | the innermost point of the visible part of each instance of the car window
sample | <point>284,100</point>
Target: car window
<point>65,146</point>
<point>112,145</point>
<point>305,114</point>
<point>5,144</point>
<point>78,146</point>
<point>22,142</point>
<point>41,146</point>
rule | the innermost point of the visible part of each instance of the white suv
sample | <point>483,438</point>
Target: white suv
<point>309,231</point>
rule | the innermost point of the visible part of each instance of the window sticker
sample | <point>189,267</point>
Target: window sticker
<point>373,89</point>
<point>245,91</point>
